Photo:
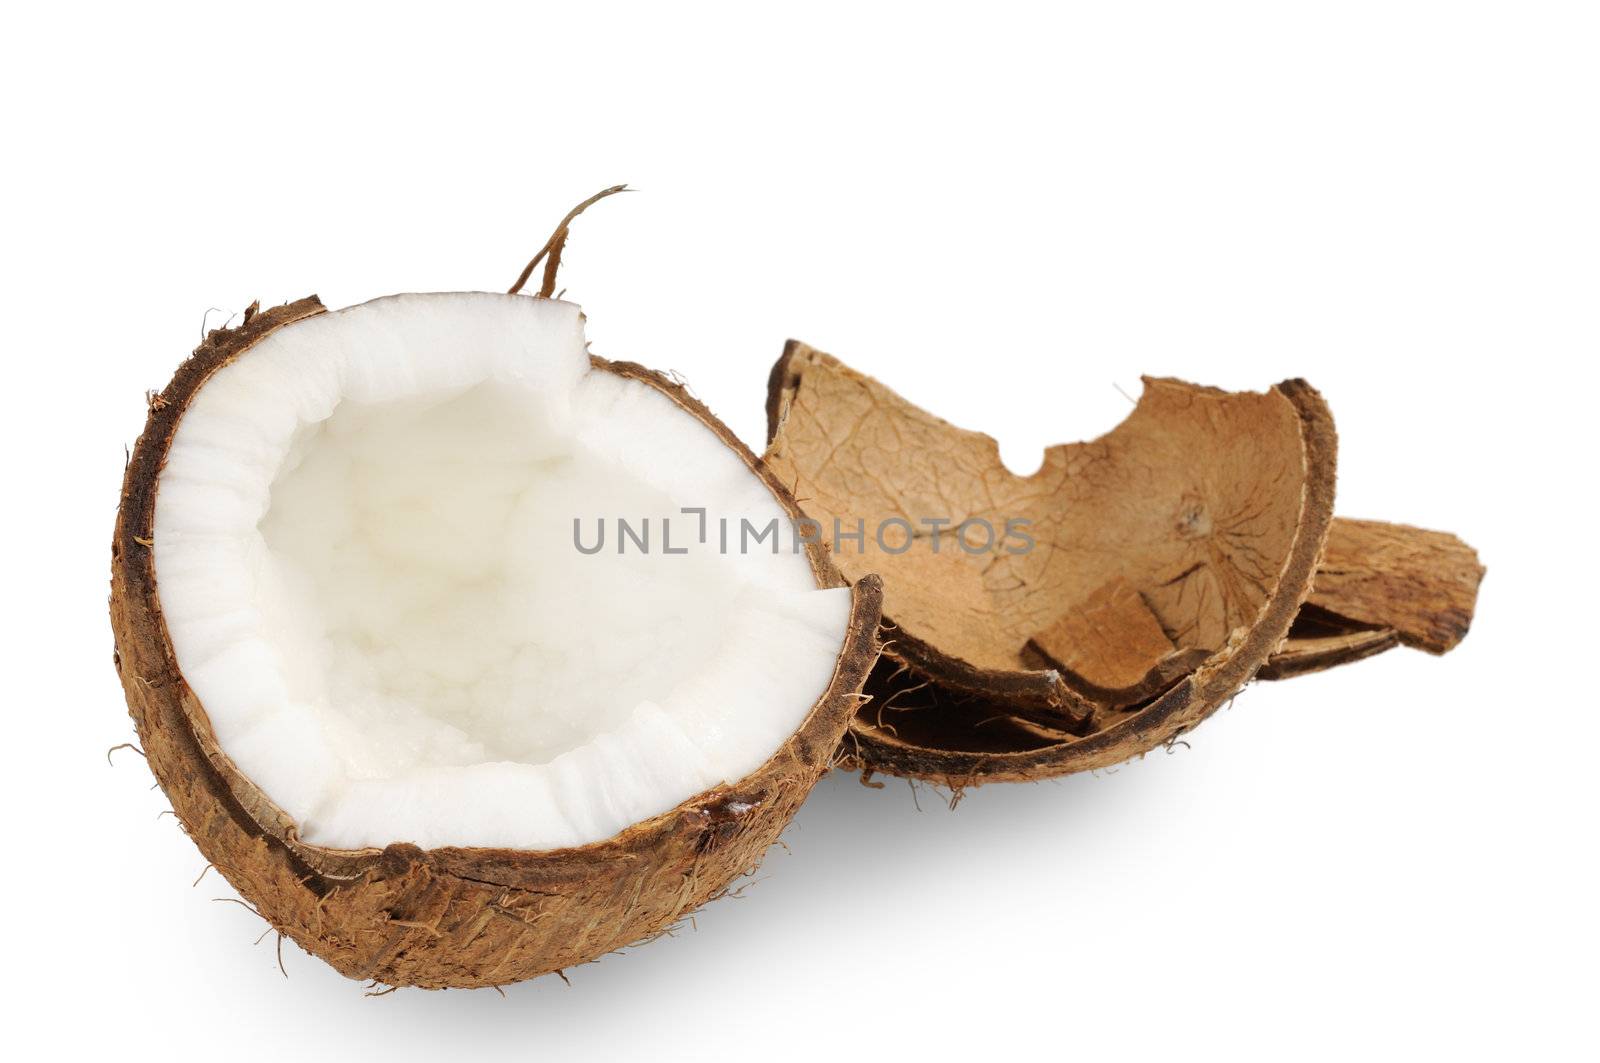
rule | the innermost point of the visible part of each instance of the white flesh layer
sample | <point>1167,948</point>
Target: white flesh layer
<point>365,552</point>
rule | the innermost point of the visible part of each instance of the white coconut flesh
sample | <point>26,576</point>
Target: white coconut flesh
<point>365,555</point>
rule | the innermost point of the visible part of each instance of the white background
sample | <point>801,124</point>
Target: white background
<point>1006,213</point>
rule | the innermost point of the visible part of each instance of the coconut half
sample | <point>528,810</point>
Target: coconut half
<point>430,636</point>
<point>1150,574</point>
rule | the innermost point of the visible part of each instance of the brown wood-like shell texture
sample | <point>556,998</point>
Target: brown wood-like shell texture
<point>1380,586</point>
<point>403,916</point>
<point>1126,641</point>
<point>1151,572</point>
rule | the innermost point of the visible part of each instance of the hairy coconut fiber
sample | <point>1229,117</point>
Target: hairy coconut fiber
<point>443,917</point>
<point>1164,564</point>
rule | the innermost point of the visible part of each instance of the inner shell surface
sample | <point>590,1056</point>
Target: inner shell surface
<point>376,546</point>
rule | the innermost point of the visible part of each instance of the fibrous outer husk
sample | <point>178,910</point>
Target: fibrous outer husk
<point>1186,538</point>
<point>447,916</point>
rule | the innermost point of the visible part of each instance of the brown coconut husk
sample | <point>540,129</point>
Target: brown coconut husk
<point>1170,559</point>
<point>403,916</point>
<point>1380,586</point>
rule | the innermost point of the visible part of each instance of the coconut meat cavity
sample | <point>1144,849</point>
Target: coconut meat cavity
<point>364,537</point>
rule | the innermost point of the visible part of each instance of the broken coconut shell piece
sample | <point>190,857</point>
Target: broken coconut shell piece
<point>1418,589</point>
<point>1071,619</point>
<point>421,734</point>
<point>1380,586</point>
